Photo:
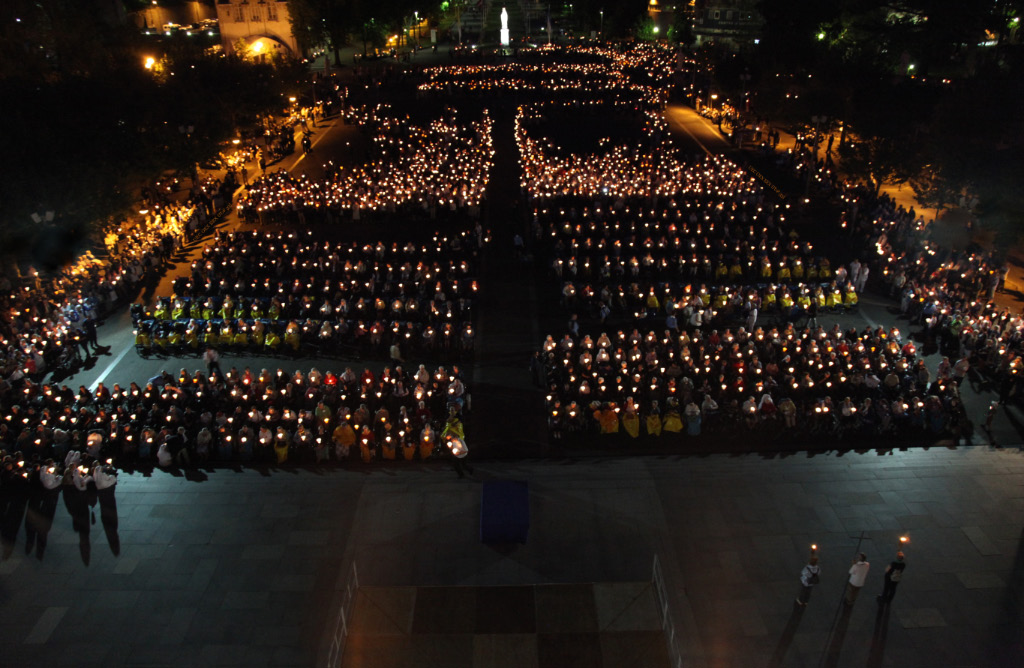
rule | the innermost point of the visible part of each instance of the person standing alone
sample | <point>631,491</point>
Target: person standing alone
<point>809,577</point>
<point>892,577</point>
<point>858,574</point>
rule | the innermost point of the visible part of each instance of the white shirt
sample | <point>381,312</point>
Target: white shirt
<point>859,573</point>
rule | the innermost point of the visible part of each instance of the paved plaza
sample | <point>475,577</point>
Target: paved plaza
<point>248,568</point>
<point>252,567</point>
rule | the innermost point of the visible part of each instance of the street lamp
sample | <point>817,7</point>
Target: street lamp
<point>601,12</point>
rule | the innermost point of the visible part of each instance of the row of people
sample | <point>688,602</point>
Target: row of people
<point>394,338</point>
<point>438,309</point>
<point>684,305</point>
<point>808,364</point>
<point>773,414</point>
<point>302,411</point>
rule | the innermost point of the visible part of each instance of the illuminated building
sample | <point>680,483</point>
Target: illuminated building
<point>264,26</point>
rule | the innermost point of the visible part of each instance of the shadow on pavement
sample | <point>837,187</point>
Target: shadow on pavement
<point>786,639</point>
<point>877,652</point>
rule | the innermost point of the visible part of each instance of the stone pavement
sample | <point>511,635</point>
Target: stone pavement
<point>243,567</point>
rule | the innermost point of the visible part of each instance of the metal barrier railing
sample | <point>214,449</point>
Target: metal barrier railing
<point>340,634</point>
<point>665,610</point>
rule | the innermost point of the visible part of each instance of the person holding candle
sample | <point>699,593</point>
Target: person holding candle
<point>809,577</point>
<point>891,579</point>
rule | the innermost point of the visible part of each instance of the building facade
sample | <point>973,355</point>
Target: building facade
<point>728,22</point>
<point>263,26</point>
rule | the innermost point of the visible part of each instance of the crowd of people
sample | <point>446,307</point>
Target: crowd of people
<point>284,293</point>
<point>636,73</point>
<point>717,303</point>
<point>237,416</point>
<point>48,322</point>
<point>443,165</point>
<point>31,487</point>
<point>671,369</point>
<point>649,168</point>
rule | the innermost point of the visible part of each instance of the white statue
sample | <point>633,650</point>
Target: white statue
<point>504,27</point>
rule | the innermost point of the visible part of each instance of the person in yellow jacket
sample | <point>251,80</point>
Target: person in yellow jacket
<point>344,437</point>
<point>819,296</point>
<point>195,310</point>
<point>652,301</point>
<point>272,341</point>
<point>798,270</point>
<point>142,340</point>
<point>388,445</point>
<point>834,298</point>
<point>787,301</point>
<point>783,274</point>
<point>673,421</point>
<point>160,340</point>
<point>453,427</point>
<point>608,418</point>
<point>766,270</point>
<point>824,269</point>
<point>227,334</point>
<point>174,338</point>
<point>849,297</point>
<point>192,335</point>
<point>426,441</point>
<point>454,437</point>
<point>227,308</point>
<point>241,338</point>
<point>281,442</point>
<point>162,311</point>
<point>654,420</point>
<point>258,333</point>
<point>256,311</point>
<point>292,336</point>
<point>208,311</point>
<point>178,311</point>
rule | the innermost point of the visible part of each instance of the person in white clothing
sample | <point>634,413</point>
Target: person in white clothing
<point>164,458</point>
<point>862,278</point>
<point>81,477</point>
<point>42,507</point>
<point>858,575</point>
<point>105,476</point>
